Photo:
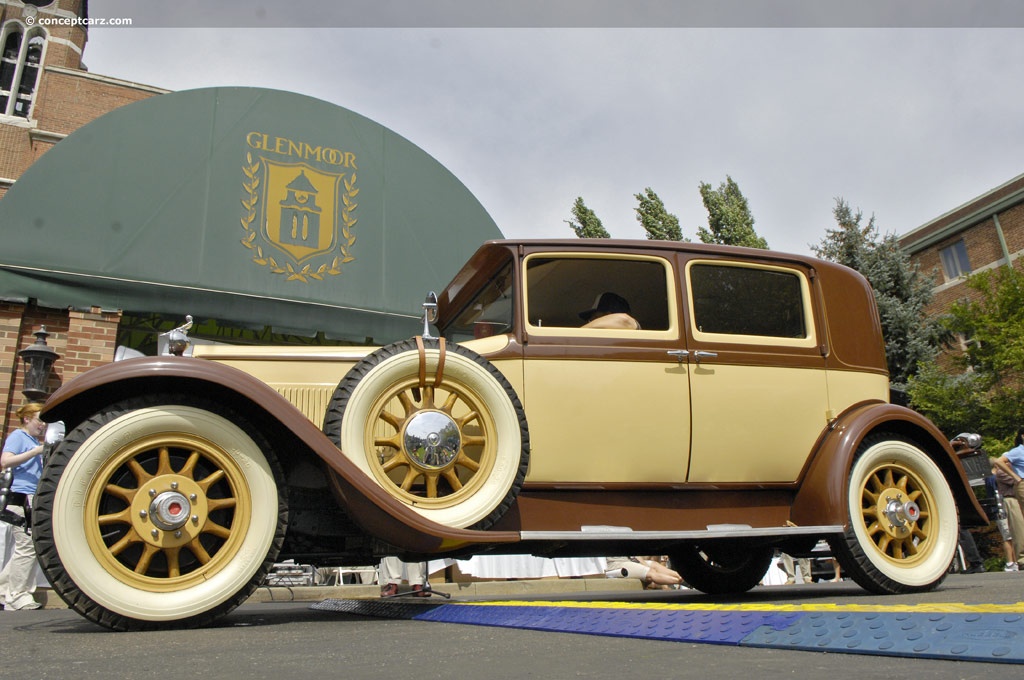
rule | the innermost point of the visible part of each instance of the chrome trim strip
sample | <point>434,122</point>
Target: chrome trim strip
<point>627,534</point>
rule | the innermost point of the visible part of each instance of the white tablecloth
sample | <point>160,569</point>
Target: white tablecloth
<point>528,566</point>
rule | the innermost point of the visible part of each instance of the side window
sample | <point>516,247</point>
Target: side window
<point>751,301</point>
<point>20,61</point>
<point>577,291</point>
<point>954,261</point>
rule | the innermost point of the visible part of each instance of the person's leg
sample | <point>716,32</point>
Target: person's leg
<point>1016,520</point>
<point>390,575</point>
<point>789,568</point>
<point>17,579</point>
<point>805,569</point>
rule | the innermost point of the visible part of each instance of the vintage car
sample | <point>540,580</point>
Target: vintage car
<point>571,398</point>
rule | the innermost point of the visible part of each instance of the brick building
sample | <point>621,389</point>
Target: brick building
<point>123,212</point>
<point>45,94</point>
<point>984,233</point>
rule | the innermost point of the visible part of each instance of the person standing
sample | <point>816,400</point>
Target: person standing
<point>1011,464</point>
<point>22,453</point>
<point>393,571</point>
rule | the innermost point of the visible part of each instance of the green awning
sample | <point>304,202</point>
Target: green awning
<point>247,205</point>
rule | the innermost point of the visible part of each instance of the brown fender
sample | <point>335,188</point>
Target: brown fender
<point>822,496</point>
<point>367,503</point>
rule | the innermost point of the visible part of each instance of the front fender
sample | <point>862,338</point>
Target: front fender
<point>822,496</point>
<point>366,502</point>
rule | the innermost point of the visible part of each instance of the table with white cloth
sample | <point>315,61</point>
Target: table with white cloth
<point>528,566</point>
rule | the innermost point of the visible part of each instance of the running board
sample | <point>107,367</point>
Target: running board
<point>608,533</point>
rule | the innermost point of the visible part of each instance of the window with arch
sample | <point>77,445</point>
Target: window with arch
<point>21,59</point>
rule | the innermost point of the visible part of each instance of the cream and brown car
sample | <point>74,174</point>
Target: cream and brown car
<point>581,397</point>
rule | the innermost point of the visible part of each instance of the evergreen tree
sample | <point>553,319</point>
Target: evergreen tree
<point>729,220</point>
<point>584,222</point>
<point>660,224</point>
<point>901,292</point>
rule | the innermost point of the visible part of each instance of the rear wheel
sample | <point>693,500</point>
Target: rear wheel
<point>440,429</point>
<point>722,568</point>
<point>159,512</point>
<point>903,519</point>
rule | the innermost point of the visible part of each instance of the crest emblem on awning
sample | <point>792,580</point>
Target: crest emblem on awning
<point>297,218</point>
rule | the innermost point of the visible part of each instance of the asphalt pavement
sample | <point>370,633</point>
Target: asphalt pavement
<point>295,637</point>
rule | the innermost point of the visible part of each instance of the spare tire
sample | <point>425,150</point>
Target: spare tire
<point>437,426</point>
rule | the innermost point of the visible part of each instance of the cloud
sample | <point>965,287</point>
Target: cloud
<point>903,123</point>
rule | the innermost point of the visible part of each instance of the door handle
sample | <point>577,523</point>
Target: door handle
<point>679,354</point>
<point>701,354</point>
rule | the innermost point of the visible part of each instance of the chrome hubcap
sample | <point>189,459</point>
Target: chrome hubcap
<point>432,439</point>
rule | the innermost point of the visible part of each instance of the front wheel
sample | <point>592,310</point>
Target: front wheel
<point>159,512</point>
<point>722,568</point>
<point>903,519</point>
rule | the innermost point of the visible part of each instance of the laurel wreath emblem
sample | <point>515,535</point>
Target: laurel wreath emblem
<point>251,183</point>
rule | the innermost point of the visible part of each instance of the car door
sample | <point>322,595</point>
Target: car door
<point>758,385</point>
<point>604,405</point>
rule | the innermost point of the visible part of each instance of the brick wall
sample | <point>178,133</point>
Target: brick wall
<point>83,340</point>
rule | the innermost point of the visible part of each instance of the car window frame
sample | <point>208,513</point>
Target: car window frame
<point>809,341</point>
<point>671,333</point>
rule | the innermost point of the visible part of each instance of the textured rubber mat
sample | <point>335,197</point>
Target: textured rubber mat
<point>990,633</point>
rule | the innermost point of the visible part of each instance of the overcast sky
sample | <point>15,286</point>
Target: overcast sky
<point>905,116</point>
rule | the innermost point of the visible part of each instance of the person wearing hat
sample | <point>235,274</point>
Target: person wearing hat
<point>609,311</point>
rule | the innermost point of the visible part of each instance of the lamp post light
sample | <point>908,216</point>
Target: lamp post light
<point>39,358</point>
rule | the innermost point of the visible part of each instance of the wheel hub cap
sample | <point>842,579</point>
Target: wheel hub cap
<point>432,439</point>
<point>170,510</point>
<point>900,512</point>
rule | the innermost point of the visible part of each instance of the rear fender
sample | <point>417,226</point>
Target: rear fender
<point>822,496</point>
<point>282,423</point>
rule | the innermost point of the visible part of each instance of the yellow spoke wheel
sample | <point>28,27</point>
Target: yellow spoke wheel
<point>903,520</point>
<point>159,512</point>
<point>440,429</point>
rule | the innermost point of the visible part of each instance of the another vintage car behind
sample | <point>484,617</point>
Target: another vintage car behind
<point>737,405</point>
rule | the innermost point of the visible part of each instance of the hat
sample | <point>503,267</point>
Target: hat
<point>606,303</point>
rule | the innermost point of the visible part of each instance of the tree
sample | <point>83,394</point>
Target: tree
<point>660,224</point>
<point>990,325</point>
<point>584,222</point>
<point>901,291</point>
<point>729,220</point>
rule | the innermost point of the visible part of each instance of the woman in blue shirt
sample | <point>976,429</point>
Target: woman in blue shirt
<point>22,453</point>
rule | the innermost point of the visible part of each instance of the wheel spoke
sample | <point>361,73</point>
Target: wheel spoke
<point>410,476</point>
<point>141,476</point>
<point>164,462</point>
<point>189,468</point>
<point>406,403</point>
<point>210,480</point>
<point>217,530</point>
<point>148,551</point>
<point>121,493</point>
<point>123,517</point>
<point>127,540</point>
<point>394,442</point>
<point>215,504</point>
<point>465,461</point>
<point>173,556</point>
<point>391,419</point>
<point>199,551</point>
<point>431,485</point>
<point>453,479</point>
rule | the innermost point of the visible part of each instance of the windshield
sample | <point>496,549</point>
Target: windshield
<point>489,313</point>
